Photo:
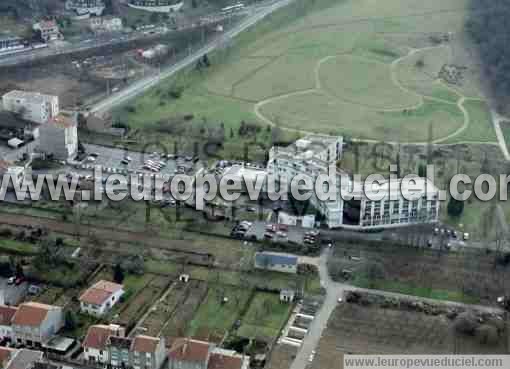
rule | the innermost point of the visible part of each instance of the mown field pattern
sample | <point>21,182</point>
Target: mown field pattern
<point>360,68</point>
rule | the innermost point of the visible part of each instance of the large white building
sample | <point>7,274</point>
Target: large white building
<point>59,137</point>
<point>157,6</point>
<point>401,202</point>
<point>106,24</point>
<point>32,106</point>
<point>86,7</point>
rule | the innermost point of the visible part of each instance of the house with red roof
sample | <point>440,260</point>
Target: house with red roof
<point>187,353</point>
<point>100,298</point>
<point>6,315</point>
<point>95,349</point>
<point>108,345</point>
<point>34,323</point>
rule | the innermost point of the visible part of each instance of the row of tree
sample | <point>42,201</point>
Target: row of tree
<point>489,28</point>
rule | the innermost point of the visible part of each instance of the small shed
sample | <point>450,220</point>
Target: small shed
<point>287,295</point>
<point>14,143</point>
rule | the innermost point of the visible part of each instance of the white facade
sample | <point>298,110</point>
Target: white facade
<point>401,203</point>
<point>59,137</point>
<point>33,106</point>
<point>102,308</point>
<point>90,7</point>
<point>156,6</point>
<point>49,30</point>
<point>6,332</point>
<point>94,345</point>
<point>106,24</point>
<point>16,173</point>
<point>100,298</point>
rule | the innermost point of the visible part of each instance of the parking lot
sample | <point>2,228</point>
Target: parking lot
<point>114,160</point>
<point>11,294</point>
<point>276,232</point>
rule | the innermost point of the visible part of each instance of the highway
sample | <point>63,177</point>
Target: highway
<point>150,81</point>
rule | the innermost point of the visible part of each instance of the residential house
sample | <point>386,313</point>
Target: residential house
<point>100,298</point>
<point>59,137</point>
<point>24,359</point>
<point>148,352</point>
<point>95,348</point>
<point>34,323</point>
<point>6,354</point>
<point>31,106</point>
<point>188,353</point>
<point>6,315</point>
<point>49,30</point>
<point>287,295</point>
<point>140,352</point>
<point>278,262</point>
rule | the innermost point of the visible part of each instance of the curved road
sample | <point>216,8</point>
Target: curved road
<point>148,82</point>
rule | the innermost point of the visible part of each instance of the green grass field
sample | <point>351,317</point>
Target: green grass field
<point>265,316</point>
<point>354,67</point>
<point>216,316</point>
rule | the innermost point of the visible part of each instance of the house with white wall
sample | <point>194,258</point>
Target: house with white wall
<point>95,350</point>
<point>6,315</point>
<point>34,323</point>
<point>100,298</point>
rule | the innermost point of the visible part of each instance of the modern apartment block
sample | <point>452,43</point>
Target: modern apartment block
<point>401,202</point>
<point>107,345</point>
<point>32,106</point>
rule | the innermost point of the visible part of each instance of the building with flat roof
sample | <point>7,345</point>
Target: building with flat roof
<point>84,7</point>
<point>31,106</point>
<point>157,6</point>
<point>401,202</point>
<point>59,137</point>
<point>10,43</point>
<point>105,24</point>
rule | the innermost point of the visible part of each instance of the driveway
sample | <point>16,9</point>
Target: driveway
<point>12,294</point>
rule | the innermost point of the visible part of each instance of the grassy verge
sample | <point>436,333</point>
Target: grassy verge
<point>407,289</point>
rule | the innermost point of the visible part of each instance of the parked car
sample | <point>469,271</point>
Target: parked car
<point>11,280</point>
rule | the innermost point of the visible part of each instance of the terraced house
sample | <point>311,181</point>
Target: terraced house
<point>188,353</point>
<point>35,323</point>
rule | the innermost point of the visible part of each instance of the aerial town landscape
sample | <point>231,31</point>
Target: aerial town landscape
<point>271,184</point>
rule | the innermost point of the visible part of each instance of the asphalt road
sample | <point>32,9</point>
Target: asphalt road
<point>150,81</point>
<point>334,290</point>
